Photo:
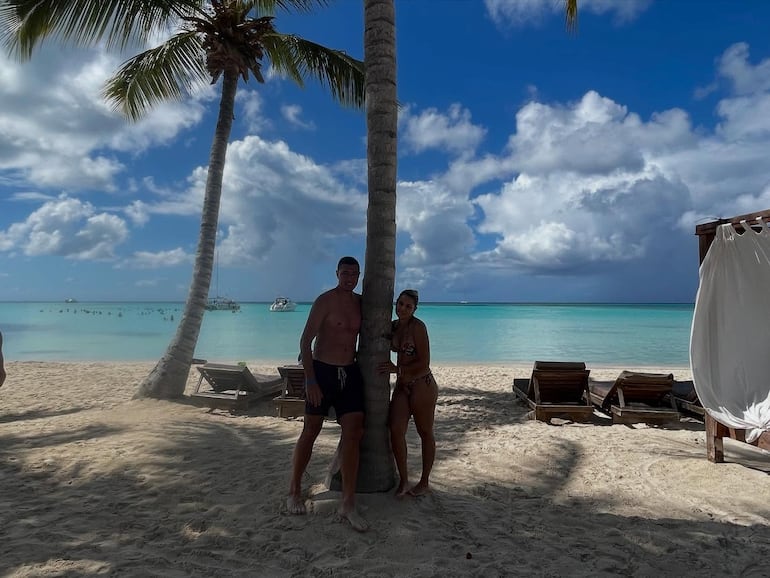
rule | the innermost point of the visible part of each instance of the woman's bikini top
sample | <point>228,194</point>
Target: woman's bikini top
<point>407,346</point>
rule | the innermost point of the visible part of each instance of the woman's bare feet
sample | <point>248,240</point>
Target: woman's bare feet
<point>421,489</point>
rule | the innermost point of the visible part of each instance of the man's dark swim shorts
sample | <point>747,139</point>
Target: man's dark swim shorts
<point>342,388</point>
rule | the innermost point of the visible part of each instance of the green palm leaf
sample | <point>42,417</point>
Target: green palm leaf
<point>298,59</point>
<point>117,23</point>
<point>571,14</point>
<point>167,72</point>
<point>270,7</point>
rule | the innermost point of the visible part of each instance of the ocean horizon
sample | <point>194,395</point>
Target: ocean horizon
<point>628,334</point>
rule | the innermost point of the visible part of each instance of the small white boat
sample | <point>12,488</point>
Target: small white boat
<point>222,304</point>
<point>283,304</point>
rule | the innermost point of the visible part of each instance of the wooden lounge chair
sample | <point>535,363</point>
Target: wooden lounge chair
<point>636,397</point>
<point>686,399</point>
<point>556,389</point>
<point>291,402</point>
<point>233,387</point>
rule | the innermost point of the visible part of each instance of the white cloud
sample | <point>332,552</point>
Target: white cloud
<point>58,130</point>
<point>159,259</point>
<point>293,114</point>
<point>31,196</point>
<point>589,184</point>
<point>746,114</point>
<point>452,132</point>
<point>279,207</point>
<point>594,135</point>
<point>138,213</point>
<point>66,227</point>
<point>524,12</point>
<point>466,174</point>
<point>744,78</point>
<point>251,103</point>
<point>436,220</point>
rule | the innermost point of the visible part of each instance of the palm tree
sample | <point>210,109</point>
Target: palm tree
<point>214,39</point>
<point>376,471</point>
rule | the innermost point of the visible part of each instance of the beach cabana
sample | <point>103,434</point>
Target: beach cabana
<point>556,389</point>
<point>730,339</point>
<point>233,387</point>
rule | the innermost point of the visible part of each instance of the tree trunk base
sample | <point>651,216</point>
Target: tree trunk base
<point>365,484</point>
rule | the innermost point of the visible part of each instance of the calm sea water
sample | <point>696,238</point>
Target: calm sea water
<point>459,333</point>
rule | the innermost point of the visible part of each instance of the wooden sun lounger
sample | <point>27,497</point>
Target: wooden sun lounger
<point>686,399</point>
<point>291,402</point>
<point>233,387</point>
<point>636,397</point>
<point>556,389</point>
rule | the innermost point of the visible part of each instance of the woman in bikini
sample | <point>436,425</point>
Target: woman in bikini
<point>415,393</point>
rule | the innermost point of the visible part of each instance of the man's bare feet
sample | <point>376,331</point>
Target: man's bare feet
<point>401,490</point>
<point>421,489</point>
<point>356,520</point>
<point>295,505</point>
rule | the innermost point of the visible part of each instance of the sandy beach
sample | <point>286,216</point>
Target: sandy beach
<point>94,483</point>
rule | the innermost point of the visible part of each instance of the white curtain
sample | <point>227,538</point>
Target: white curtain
<point>730,338</point>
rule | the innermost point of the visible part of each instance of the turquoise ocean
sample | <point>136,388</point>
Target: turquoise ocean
<point>599,334</point>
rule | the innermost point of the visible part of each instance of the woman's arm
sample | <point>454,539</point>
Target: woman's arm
<point>419,363</point>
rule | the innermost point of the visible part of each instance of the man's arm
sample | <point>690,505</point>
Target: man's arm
<point>312,327</point>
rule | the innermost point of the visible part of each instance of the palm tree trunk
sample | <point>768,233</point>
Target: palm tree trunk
<point>169,377</point>
<point>376,471</point>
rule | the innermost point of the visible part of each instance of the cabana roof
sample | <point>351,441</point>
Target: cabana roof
<point>706,231</point>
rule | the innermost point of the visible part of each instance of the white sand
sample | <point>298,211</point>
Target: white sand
<point>93,483</point>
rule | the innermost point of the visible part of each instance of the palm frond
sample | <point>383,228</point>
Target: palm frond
<point>571,14</point>
<point>167,72</point>
<point>270,7</point>
<point>25,23</point>
<point>300,59</point>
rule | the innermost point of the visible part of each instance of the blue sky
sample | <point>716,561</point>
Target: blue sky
<point>534,164</point>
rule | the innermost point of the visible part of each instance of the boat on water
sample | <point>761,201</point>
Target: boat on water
<point>70,300</point>
<point>283,304</point>
<point>222,304</point>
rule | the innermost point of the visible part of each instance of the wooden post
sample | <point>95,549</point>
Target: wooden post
<point>714,445</point>
<point>715,449</point>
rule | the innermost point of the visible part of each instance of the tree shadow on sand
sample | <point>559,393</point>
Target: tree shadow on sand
<point>204,497</point>
<point>39,414</point>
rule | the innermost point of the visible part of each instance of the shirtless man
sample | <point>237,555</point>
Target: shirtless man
<point>332,378</point>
